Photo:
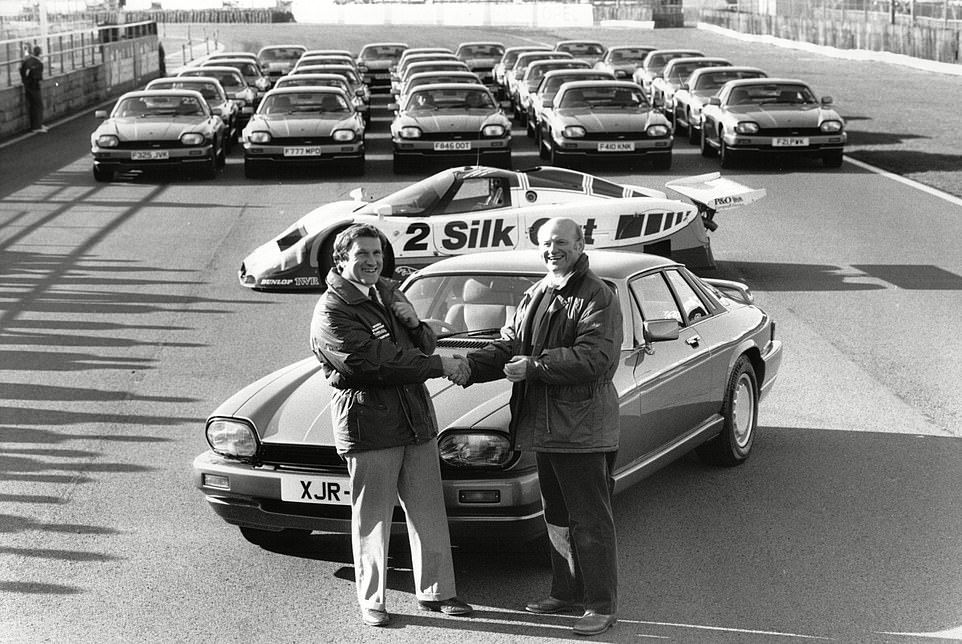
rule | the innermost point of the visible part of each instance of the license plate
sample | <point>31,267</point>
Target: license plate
<point>318,490</point>
<point>790,142</point>
<point>617,146</point>
<point>445,146</point>
<point>311,151</point>
<point>149,155</point>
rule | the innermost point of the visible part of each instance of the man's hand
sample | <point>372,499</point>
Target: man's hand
<point>519,368</point>
<point>406,314</point>
<point>457,369</point>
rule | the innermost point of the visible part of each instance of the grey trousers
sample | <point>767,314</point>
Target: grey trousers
<point>379,478</point>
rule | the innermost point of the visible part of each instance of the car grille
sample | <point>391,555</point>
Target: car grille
<point>301,140</point>
<point>473,135</point>
<point>164,144</point>
<point>616,136</point>
<point>790,131</point>
<point>301,455</point>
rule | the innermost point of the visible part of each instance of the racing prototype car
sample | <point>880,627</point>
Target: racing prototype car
<point>479,209</point>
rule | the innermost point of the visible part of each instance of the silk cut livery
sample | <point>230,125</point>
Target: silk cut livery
<point>478,209</point>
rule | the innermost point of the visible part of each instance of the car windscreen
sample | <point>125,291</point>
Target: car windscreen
<point>207,90</point>
<point>774,93</point>
<point>604,97</point>
<point>166,106</point>
<point>450,98</point>
<point>715,80</point>
<point>292,53</point>
<point>416,198</point>
<point>628,55</point>
<point>382,52</point>
<point>582,49</point>
<point>476,304</point>
<point>229,81</point>
<point>555,83</point>
<point>481,51</point>
<point>304,103</point>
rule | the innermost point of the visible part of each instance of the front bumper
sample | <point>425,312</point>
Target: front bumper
<point>809,146</point>
<point>593,148</point>
<point>306,154</point>
<point>252,498</point>
<point>119,159</point>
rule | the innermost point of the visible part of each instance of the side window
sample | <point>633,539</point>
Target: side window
<point>478,194</point>
<point>692,305</point>
<point>652,294</point>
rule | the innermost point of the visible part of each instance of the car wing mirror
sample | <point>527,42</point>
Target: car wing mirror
<point>392,106</point>
<point>714,100</point>
<point>660,330</point>
<point>100,114</point>
<point>827,100</point>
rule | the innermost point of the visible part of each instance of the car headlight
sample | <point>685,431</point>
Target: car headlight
<point>410,132</point>
<point>259,137</point>
<point>831,126</point>
<point>231,437</point>
<point>344,136</point>
<point>658,130</point>
<point>747,127</point>
<point>192,138</point>
<point>574,132</point>
<point>474,449</point>
<point>108,141</point>
<point>492,130</point>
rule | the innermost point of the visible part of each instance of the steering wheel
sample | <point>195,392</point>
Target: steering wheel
<point>441,326</point>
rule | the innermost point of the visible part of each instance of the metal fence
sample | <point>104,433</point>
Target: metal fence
<point>66,51</point>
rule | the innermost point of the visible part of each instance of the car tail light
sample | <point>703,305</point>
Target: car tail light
<point>232,437</point>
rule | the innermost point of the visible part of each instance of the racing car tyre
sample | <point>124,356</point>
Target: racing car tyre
<point>269,538</point>
<point>102,175</point>
<point>740,413</point>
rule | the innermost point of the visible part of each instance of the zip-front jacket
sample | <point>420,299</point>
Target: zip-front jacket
<point>376,366</point>
<point>569,403</point>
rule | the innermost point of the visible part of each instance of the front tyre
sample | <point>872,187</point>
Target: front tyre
<point>103,175</point>
<point>740,412</point>
<point>832,159</point>
<point>706,149</point>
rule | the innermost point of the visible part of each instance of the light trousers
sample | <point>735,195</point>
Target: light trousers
<point>379,478</point>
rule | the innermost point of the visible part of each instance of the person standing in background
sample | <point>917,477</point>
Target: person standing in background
<point>31,74</point>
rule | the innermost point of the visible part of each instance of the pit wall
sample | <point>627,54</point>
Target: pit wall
<point>126,65</point>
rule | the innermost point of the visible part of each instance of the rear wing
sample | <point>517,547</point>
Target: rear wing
<point>713,192</point>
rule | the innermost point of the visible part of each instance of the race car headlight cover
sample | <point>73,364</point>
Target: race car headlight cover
<point>410,132</point>
<point>343,136</point>
<point>492,130</point>
<point>747,127</point>
<point>232,437</point>
<point>260,137</point>
<point>831,126</point>
<point>475,448</point>
<point>192,138</point>
<point>657,130</point>
<point>108,140</point>
<point>574,132</point>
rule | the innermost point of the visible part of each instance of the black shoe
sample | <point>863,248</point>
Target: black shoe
<point>453,606</point>
<point>548,606</point>
<point>592,623</point>
<point>375,617</point>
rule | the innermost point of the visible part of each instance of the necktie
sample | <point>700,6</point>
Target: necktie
<point>372,293</point>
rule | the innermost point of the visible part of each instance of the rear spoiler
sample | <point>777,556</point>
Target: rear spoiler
<point>712,192</point>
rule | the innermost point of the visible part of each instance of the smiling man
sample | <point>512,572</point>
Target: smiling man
<point>377,354</point>
<point>561,351</point>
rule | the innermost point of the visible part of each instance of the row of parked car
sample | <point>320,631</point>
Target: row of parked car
<point>578,100</point>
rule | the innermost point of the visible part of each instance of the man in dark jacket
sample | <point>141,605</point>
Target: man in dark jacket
<point>377,354</point>
<point>31,73</point>
<point>561,351</point>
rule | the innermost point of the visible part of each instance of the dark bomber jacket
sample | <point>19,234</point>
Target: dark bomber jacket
<point>376,367</point>
<point>570,403</point>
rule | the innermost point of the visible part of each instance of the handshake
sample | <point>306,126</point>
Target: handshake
<point>457,369</point>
